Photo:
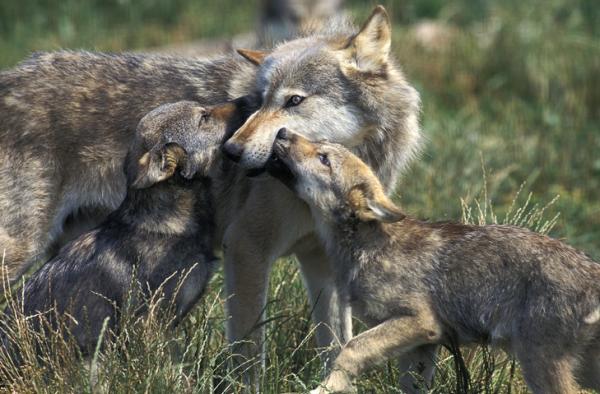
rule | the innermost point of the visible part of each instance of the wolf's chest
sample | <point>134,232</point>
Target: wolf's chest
<point>375,295</point>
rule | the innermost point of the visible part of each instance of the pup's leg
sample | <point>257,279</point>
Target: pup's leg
<point>372,347</point>
<point>418,367</point>
<point>545,372</point>
<point>331,314</point>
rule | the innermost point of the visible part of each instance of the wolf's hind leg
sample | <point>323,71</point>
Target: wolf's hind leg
<point>389,339</point>
<point>547,373</point>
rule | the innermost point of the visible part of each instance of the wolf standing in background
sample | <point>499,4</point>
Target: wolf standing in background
<point>67,118</point>
<point>284,19</point>
<point>160,238</point>
<point>418,283</point>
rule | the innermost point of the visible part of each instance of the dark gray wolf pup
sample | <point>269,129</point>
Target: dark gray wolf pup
<point>417,283</point>
<point>160,238</point>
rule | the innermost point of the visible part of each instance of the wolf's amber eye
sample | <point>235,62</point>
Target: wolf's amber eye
<point>293,101</point>
<point>324,160</point>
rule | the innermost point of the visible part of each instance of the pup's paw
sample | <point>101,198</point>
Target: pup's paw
<point>337,382</point>
<point>189,169</point>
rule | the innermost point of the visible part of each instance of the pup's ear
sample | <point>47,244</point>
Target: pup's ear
<point>371,46</point>
<point>157,165</point>
<point>254,57</point>
<point>372,204</point>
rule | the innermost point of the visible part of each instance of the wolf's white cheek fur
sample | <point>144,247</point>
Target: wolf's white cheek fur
<point>342,124</point>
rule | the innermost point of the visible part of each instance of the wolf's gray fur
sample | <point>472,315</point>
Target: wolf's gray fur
<point>417,283</point>
<point>160,237</point>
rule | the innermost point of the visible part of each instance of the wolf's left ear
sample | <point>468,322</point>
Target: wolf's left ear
<point>254,57</point>
<point>371,46</point>
<point>156,166</point>
<point>370,205</point>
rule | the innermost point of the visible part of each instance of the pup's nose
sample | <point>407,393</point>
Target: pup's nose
<point>282,134</point>
<point>232,151</point>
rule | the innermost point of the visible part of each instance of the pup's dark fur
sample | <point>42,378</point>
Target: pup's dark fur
<point>161,235</point>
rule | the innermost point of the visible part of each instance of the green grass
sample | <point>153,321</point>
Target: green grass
<point>514,90</point>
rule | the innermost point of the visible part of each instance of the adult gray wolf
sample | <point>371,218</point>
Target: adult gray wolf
<point>341,85</point>
<point>66,118</point>
<point>417,283</point>
<point>160,239</point>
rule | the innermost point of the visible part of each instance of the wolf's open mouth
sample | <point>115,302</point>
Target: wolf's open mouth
<point>278,169</point>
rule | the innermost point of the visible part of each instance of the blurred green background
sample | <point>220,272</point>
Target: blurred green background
<point>512,84</point>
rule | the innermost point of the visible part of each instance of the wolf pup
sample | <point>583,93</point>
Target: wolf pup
<point>161,237</point>
<point>418,283</point>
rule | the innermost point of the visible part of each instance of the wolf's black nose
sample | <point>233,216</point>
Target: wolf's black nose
<point>233,151</point>
<point>282,134</point>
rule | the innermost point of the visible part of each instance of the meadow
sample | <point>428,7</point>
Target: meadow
<point>511,113</point>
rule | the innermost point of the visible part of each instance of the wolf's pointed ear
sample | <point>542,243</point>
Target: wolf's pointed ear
<point>375,206</point>
<point>254,57</point>
<point>156,166</point>
<point>373,42</point>
<point>385,210</point>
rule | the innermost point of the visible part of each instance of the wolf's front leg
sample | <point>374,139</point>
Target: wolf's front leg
<point>389,339</point>
<point>417,368</point>
<point>246,282</point>
<point>331,314</point>
<point>265,228</point>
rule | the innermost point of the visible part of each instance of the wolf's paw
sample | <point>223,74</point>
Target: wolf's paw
<point>189,169</point>
<point>337,382</point>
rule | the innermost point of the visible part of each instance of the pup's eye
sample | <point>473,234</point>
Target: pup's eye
<point>293,101</point>
<point>324,159</point>
<point>204,117</point>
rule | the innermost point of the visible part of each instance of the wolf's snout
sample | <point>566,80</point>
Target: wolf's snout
<point>232,151</point>
<point>282,134</point>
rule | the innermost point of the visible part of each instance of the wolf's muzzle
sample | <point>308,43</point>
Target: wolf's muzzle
<point>232,151</point>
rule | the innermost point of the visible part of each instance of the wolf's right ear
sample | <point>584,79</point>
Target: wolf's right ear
<point>156,166</point>
<point>254,57</point>
<point>371,46</point>
<point>369,205</point>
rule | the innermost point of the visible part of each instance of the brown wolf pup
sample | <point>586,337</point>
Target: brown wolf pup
<point>160,238</point>
<point>418,283</point>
